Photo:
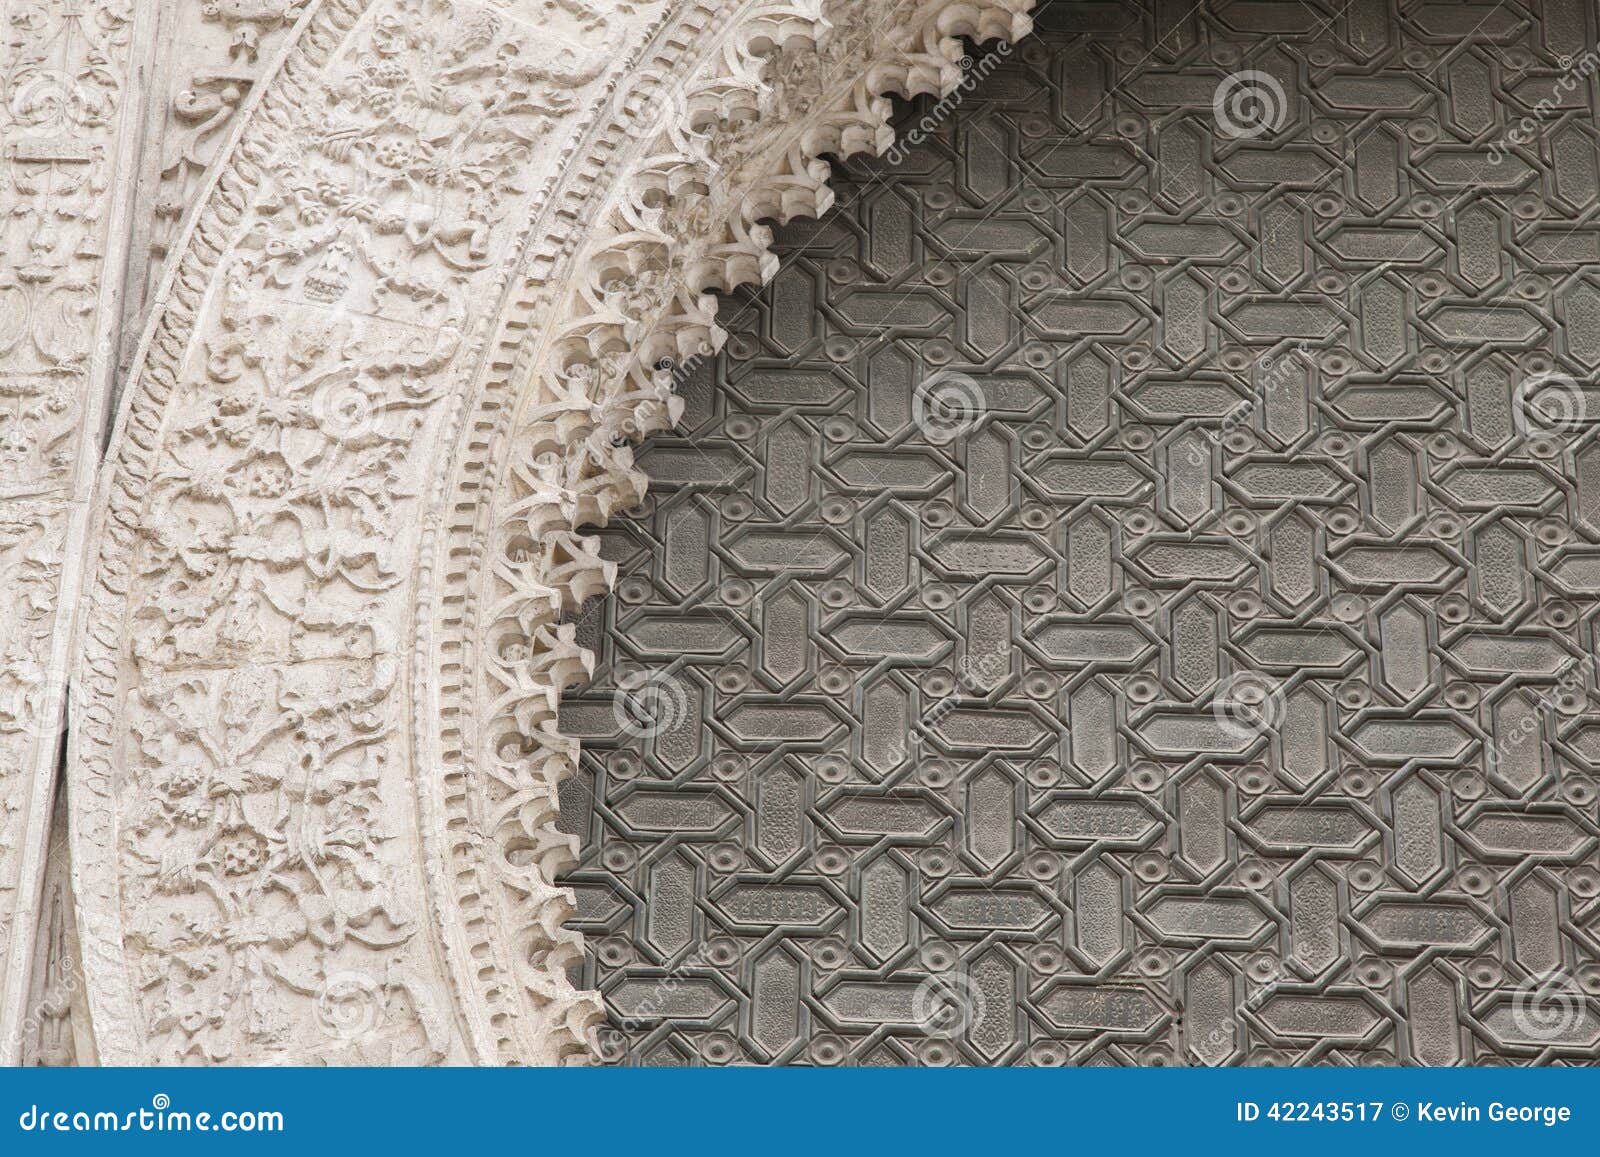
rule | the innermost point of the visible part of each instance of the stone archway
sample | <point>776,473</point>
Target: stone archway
<point>392,368</point>
<point>444,257</point>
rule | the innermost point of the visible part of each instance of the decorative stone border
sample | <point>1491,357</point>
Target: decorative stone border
<point>69,100</point>
<point>430,295</point>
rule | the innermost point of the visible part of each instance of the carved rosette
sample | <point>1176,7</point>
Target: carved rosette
<point>427,300</point>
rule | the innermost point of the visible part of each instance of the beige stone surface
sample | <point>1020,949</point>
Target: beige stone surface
<point>410,277</point>
<point>67,122</point>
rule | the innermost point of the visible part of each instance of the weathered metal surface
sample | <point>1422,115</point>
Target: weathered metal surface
<point>1126,592</point>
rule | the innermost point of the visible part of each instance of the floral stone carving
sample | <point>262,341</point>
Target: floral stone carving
<point>420,307</point>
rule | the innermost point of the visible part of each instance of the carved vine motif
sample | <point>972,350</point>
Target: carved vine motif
<point>248,778</point>
<point>213,55</point>
<point>237,41</point>
<point>270,887</point>
<point>30,565</point>
<point>30,570</point>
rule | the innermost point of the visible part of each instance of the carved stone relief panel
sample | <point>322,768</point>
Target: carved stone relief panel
<point>210,55</point>
<point>66,90</point>
<point>1125,591</point>
<point>1122,597</point>
<point>53,1029</point>
<point>266,854</point>
<point>267,862</point>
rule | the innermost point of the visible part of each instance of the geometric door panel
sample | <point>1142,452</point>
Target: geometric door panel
<point>1127,591</point>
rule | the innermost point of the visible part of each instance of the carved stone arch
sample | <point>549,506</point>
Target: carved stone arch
<point>439,277</point>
